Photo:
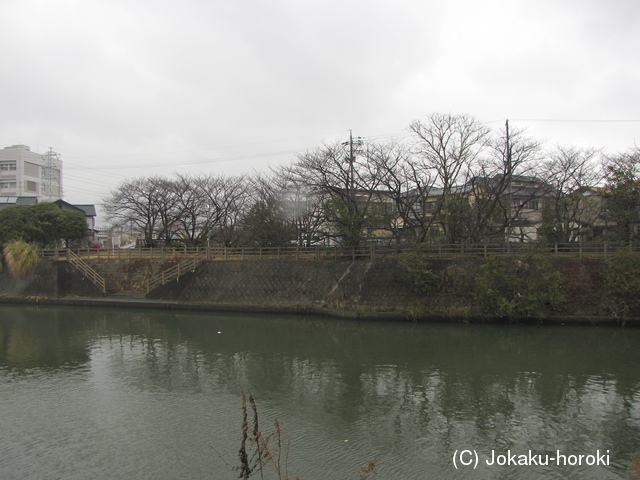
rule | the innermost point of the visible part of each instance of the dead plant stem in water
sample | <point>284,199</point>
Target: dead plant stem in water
<point>256,453</point>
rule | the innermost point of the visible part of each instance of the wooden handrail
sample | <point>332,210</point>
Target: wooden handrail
<point>371,251</point>
<point>188,265</point>
<point>89,272</point>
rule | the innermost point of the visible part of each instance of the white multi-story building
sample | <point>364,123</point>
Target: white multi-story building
<point>24,173</point>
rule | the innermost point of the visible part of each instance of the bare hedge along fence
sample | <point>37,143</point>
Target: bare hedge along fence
<point>367,252</point>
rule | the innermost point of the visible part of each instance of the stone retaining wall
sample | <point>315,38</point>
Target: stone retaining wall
<point>360,285</point>
<point>43,283</point>
<point>335,284</point>
<point>340,283</point>
<point>51,279</point>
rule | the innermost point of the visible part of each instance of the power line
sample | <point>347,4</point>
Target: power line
<point>242,145</point>
<point>194,162</point>
<point>87,181</point>
<point>558,120</point>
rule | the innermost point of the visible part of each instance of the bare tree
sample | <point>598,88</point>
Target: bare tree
<point>449,145</point>
<point>190,209</point>
<point>190,226</point>
<point>570,212</point>
<point>303,206</point>
<point>266,223</point>
<point>226,199</point>
<point>137,203</point>
<point>503,185</point>
<point>344,178</point>
<point>169,206</point>
<point>409,184</point>
<point>347,181</point>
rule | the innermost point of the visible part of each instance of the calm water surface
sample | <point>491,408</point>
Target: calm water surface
<point>104,394</point>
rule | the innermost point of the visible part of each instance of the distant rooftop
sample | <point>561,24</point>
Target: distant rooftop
<point>89,210</point>
<point>21,147</point>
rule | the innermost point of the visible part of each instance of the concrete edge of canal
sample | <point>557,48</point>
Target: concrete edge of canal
<point>133,301</point>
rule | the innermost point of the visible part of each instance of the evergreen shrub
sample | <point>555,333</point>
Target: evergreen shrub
<point>622,278</point>
<point>523,285</point>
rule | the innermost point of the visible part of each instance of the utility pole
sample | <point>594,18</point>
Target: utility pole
<point>351,158</point>
<point>507,179</point>
<point>355,230</point>
<point>508,147</point>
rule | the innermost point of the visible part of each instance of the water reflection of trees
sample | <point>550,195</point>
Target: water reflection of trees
<point>501,386</point>
<point>33,337</point>
<point>496,386</point>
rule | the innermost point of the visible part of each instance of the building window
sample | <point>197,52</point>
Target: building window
<point>7,166</point>
<point>30,186</point>
<point>7,185</point>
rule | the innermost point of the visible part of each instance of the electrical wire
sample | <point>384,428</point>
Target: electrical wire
<point>193,162</point>
<point>551,120</point>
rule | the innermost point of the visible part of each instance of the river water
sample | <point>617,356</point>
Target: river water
<point>111,393</point>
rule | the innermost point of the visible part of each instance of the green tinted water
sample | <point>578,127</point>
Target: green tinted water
<point>103,394</point>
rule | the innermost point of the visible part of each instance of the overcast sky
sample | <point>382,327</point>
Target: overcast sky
<point>130,88</point>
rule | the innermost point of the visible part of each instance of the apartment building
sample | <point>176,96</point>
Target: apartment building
<point>24,173</point>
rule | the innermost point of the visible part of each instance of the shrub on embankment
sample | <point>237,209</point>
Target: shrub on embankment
<point>530,284</point>
<point>511,286</point>
<point>622,277</point>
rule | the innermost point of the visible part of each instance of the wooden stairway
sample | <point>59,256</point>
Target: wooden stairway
<point>188,265</point>
<point>87,271</point>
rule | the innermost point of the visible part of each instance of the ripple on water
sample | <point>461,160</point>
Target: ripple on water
<point>146,396</point>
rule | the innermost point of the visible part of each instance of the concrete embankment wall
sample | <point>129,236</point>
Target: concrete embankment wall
<point>51,279</point>
<point>381,285</point>
<point>338,284</point>
<point>361,289</point>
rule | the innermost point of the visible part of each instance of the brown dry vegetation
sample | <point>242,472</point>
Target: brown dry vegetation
<point>261,453</point>
<point>21,258</point>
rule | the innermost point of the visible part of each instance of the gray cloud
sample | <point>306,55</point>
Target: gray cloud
<point>116,84</point>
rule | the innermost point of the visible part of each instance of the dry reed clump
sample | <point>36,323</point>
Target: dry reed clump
<point>257,451</point>
<point>21,258</point>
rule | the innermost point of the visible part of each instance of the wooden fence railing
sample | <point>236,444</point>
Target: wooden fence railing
<point>187,265</point>
<point>371,251</point>
<point>88,272</point>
